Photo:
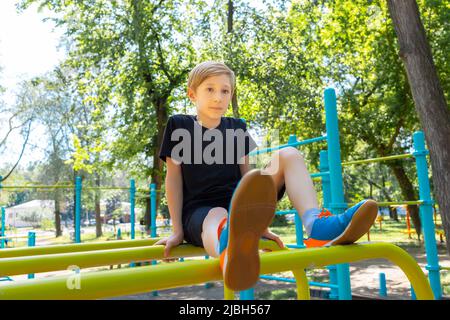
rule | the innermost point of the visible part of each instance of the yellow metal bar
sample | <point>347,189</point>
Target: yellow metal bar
<point>61,261</point>
<point>392,203</point>
<point>120,282</point>
<point>400,156</point>
<point>302,284</point>
<point>66,248</point>
<point>228,294</point>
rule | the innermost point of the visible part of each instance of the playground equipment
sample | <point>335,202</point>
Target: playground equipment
<point>164,276</point>
<point>119,282</point>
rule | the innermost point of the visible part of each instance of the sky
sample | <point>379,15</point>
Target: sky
<point>28,48</point>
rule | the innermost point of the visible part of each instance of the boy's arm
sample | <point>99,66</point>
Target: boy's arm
<point>174,193</point>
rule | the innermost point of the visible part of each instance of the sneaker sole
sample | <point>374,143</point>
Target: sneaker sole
<point>361,222</point>
<point>253,207</point>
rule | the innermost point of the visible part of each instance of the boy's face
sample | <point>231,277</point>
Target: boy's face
<point>212,96</point>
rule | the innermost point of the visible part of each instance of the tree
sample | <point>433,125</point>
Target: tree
<point>429,99</point>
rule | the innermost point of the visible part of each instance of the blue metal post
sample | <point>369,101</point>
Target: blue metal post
<point>248,294</point>
<point>337,204</point>
<point>426,213</point>
<point>153,210</point>
<point>413,294</point>
<point>132,203</point>
<point>78,187</point>
<point>119,234</point>
<point>383,290</point>
<point>153,220</point>
<point>2,233</point>
<point>31,243</point>
<point>2,230</point>
<point>326,191</point>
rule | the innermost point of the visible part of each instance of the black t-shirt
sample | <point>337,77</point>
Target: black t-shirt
<point>209,177</point>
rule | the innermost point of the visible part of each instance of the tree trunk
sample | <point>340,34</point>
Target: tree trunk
<point>408,193</point>
<point>57,214</point>
<point>158,164</point>
<point>428,98</point>
<point>98,221</point>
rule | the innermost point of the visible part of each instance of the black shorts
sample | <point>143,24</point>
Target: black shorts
<point>193,221</point>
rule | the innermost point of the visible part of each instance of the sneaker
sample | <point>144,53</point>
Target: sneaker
<point>251,211</point>
<point>345,228</point>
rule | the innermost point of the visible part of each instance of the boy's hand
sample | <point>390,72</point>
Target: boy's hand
<point>170,242</point>
<point>272,236</point>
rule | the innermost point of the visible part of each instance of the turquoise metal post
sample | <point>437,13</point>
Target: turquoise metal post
<point>31,243</point>
<point>326,191</point>
<point>153,210</point>
<point>383,290</point>
<point>413,294</point>
<point>247,294</point>
<point>337,204</point>
<point>78,187</point>
<point>153,220</point>
<point>426,213</point>
<point>132,203</point>
<point>2,233</point>
<point>298,221</point>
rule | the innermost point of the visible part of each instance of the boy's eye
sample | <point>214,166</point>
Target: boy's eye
<point>226,91</point>
<point>210,89</point>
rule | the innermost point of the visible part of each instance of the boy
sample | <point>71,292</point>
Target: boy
<point>216,201</point>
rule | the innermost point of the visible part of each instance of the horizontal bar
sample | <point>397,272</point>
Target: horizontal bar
<point>13,237</point>
<point>85,259</point>
<point>75,247</point>
<point>323,285</point>
<point>294,144</point>
<point>94,258</point>
<point>320,174</point>
<point>400,156</point>
<point>283,212</point>
<point>38,187</point>
<point>126,281</point>
<point>392,203</point>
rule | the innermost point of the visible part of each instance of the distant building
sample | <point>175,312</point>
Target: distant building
<point>30,214</point>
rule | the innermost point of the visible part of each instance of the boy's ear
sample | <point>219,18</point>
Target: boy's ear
<point>191,94</point>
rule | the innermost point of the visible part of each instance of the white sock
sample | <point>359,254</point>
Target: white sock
<point>308,219</point>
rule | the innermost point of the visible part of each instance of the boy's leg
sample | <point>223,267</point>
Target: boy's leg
<point>287,166</point>
<point>210,227</point>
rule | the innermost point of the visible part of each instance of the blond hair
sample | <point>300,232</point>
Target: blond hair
<point>208,69</point>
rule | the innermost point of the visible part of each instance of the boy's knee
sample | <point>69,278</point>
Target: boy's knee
<point>218,211</point>
<point>290,153</point>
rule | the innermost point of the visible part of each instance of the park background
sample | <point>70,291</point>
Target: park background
<point>100,111</point>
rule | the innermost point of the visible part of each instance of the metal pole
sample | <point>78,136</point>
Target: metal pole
<point>153,210</point>
<point>426,214</point>
<point>31,243</point>
<point>326,191</point>
<point>132,203</point>
<point>2,233</point>
<point>337,205</point>
<point>383,290</point>
<point>78,187</point>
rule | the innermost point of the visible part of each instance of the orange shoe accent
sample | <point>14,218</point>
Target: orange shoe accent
<point>222,259</point>
<point>220,227</point>
<point>312,243</point>
<point>324,213</point>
